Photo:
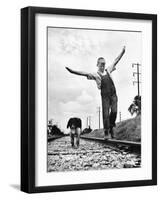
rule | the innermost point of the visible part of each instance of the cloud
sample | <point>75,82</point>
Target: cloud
<point>84,98</point>
<point>83,103</point>
<point>82,106</point>
<point>71,106</point>
<point>70,41</point>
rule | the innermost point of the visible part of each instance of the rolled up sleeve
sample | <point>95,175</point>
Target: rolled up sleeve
<point>111,68</point>
<point>91,76</point>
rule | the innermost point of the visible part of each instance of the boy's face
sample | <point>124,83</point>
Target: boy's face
<point>101,65</point>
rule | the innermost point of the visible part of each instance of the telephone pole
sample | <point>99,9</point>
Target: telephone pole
<point>138,76</point>
<point>120,116</point>
<point>99,115</point>
<point>87,122</point>
<point>89,125</point>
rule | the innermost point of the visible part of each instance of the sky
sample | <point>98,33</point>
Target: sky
<point>75,96</point>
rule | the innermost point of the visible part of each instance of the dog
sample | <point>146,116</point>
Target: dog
<point>75,125</point>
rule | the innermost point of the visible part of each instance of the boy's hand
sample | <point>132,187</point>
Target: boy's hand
<point>68,69</point>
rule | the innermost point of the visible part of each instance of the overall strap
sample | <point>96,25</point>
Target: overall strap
<point>100,75</point>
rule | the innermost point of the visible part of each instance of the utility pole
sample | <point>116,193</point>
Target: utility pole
<point>138,76</point>
<point>99,115</point>
<point>89,125</point>
<point>87,122</point>
<point>120,116</point>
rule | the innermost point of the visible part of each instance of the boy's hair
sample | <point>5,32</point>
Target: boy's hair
<point>99,59</point>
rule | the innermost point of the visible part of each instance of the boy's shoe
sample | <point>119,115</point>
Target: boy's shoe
<point>106,134</point>
<point>106,137</point>
<point>111,132</point>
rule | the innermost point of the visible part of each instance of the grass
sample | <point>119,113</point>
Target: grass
<point>129,130</point>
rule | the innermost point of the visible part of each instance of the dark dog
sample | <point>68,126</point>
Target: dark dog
<point>75,125</point>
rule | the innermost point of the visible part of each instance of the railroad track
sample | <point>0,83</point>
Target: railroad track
<point>92,154</point>
<point>54,138</point>
<point>114,141</point>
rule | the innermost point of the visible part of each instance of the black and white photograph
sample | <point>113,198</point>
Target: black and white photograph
<point>89,86</point>
<point>94,99</point>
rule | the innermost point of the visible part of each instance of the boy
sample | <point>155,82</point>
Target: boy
<point>108,91</point>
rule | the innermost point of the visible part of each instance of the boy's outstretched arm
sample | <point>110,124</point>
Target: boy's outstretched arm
<point>112,66</point>
<point>80,73</point>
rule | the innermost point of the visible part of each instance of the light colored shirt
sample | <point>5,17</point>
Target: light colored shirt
<point>97,75</point>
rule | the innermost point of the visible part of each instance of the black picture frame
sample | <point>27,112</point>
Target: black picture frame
<point>28,91</point>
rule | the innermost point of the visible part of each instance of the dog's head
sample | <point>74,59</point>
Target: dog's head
<point>74,123</point>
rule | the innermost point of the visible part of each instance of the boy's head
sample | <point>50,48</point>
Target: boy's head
<point>101,64</point>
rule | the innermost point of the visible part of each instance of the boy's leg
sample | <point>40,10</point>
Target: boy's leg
<point>113,113</point>
<point>105,114</point>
